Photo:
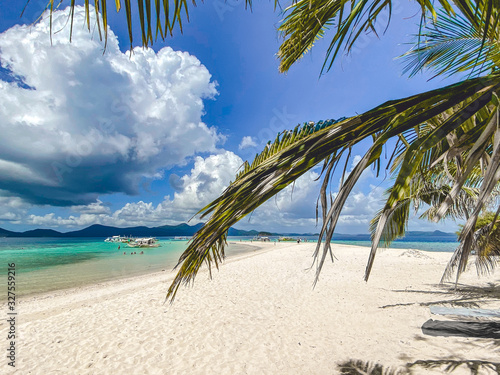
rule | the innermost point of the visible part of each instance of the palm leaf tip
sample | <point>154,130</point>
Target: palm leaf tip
<point>270,172</point>
<point>192,259</point>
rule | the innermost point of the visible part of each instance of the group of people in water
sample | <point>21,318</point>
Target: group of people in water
<point>132,252</point>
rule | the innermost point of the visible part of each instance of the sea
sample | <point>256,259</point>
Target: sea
<point>45,265</point>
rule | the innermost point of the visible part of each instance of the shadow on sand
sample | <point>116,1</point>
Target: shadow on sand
<point>354,367</point>
<point>454,295</point>
<point>460,295</point>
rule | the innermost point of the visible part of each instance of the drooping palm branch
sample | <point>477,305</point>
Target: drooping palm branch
<point>487,246</point>
<point>467,145</point>
<point>464,115</point>
<point>294,153</point>
<point>427,189</point>
<point>479,165</point>
<point>432,185</point>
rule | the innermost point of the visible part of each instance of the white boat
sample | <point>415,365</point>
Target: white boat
<point>144,242</point>
<point>120,239</point>
<point>180,238</point>
<point>261,238</point>
<point>113,239</point>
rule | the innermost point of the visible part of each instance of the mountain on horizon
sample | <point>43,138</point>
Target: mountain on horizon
<point>98,230</point>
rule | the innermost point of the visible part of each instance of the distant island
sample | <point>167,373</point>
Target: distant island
<point>97,230</point>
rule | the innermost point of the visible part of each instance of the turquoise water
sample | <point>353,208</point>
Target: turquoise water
<point>398,244</point>
<point>424,246</point>
<point>48,264</point>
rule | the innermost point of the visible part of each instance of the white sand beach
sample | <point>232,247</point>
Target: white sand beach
<point>258,315</point>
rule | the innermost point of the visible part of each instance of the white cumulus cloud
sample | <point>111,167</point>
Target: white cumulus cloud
<point>77,123</point>
<point>13,209</point>
<point>291,210</point>
<point>206,181</point>
<point>247,142</point>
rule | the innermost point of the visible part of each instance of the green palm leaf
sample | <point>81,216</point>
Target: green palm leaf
<point>412,160</point>
<point>454,44</point>
<point>307,20</point>
<point>290,156</point>
<point>156,18</point>
<point>430,188</point>
<point>468,236</point>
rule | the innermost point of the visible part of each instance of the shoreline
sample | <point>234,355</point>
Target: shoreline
<point>120,279</point>
<point>259,248</point>
<point>74,274</point>
<point>258,315</point>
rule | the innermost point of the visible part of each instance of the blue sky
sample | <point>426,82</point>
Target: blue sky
<point>91,138</point>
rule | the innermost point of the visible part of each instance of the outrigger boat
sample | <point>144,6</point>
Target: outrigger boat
<point>261,238</point>
<point>120,239</point>
<point>144,242</point>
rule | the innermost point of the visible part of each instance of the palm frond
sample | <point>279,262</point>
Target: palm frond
<point>313,18</point>
<point>396,222</point>
<point>455,44</point>
<point>307,20</point>
<point>462,205</point>
<point>288,158</point>
<point>461,187</point>
<point>468,237</point>
<point>412,159</point>
<point>475,153</point>
<point>485,242</point>
<point>156,18</point>
<point>429,187</point>
<point>487,248</point>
